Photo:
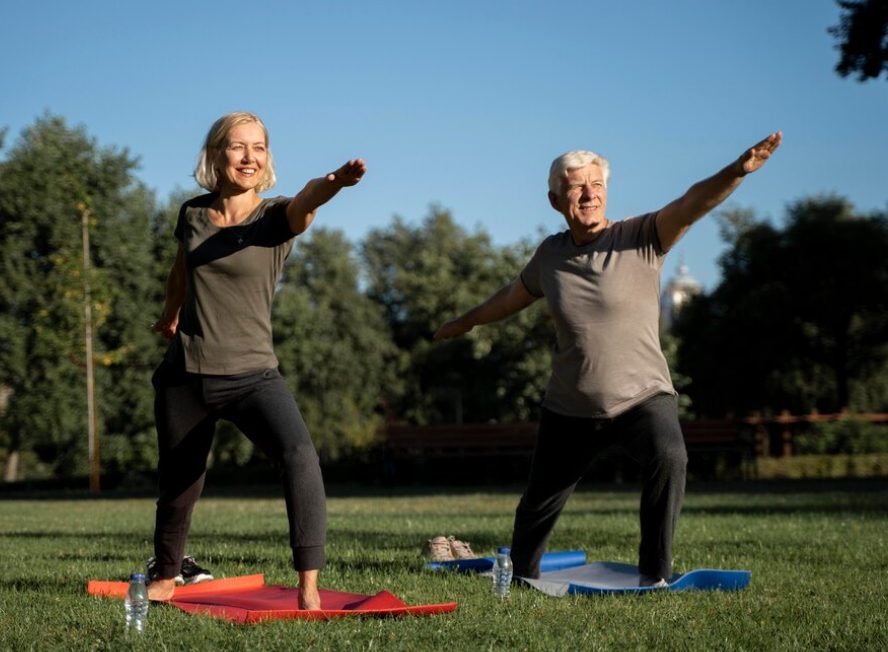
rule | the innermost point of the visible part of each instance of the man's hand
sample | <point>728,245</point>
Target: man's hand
<point>453,328</point>
<point>755,157</point>
<point>674,219</point>
<point>349,174</point>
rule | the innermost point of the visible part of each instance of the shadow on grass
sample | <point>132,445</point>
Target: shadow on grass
<point>877,487</point>
<point>48,586</point>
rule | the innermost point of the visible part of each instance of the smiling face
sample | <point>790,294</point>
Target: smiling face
<point>241,162</point>
<point>582,200</point>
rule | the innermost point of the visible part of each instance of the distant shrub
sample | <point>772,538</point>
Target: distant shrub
<point>848,437</point>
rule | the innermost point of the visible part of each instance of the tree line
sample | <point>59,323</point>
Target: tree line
<point>798,321</point>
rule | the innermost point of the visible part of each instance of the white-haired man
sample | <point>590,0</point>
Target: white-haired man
<point>610,383</point>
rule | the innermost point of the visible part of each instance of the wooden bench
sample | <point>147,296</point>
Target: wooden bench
<point>460,439</point>
<point>487,452</point>
<point>485,438</point>
<point>424,446</point>
<point>713,435</point>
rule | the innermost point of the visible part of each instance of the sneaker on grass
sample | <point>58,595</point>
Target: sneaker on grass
<point>192,573</point>
<point>461,549</point>
<point>151,572</point>
<point>437,549</point>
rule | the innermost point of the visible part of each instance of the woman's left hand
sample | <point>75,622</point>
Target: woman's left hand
<point>349,174</point>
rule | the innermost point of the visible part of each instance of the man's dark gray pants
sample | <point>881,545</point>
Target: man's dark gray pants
<point>565,447</point>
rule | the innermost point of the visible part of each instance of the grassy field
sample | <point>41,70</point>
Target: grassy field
<point>818,553</point>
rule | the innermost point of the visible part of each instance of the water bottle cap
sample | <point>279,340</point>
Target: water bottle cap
<point>503,551</point>
<point>137,577</point>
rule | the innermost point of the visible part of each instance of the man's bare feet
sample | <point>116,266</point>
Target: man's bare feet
<point>309,599</point>
<point>161,590</point>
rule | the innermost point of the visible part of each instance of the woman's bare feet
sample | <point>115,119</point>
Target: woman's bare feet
<point>309,599</point>
<point>161,590</point>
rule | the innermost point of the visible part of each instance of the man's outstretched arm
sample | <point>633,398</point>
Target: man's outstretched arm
<point>676,218</point>
<point>503,303</point>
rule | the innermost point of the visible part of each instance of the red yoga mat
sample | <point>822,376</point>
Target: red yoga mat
<point>247,600</point>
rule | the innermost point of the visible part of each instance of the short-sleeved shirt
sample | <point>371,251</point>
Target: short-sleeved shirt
<point>231,273</point>
<point>604,297</point>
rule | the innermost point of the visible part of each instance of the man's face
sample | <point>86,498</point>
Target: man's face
<point>582,199</point>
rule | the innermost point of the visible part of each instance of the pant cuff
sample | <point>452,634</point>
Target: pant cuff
<point>309,558</point>
<point>167,572</point>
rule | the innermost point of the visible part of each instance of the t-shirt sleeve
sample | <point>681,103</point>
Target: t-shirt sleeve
<point>641,231</point>
<point>180,224</point>
<point>530,275</point>
<point>653,236</point>
<point>278,225</point>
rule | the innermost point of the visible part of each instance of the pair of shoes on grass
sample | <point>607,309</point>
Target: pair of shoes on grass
<point>447,549</point>
<point>190,573</point>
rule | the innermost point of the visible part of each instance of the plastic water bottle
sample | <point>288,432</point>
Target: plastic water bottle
<point>136,604</point>
<point>502,573</point>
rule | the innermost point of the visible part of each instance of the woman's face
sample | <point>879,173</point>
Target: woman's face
<point>241,163</point>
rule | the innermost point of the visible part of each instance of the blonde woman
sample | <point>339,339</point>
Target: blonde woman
<point>220,363</point>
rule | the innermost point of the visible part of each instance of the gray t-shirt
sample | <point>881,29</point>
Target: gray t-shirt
<point>231,272</point>
<point>604,297</point>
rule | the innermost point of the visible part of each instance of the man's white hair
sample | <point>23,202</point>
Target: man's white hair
<point>577,158</point>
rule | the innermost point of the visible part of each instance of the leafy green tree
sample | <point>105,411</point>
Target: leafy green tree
<point>862,35</point>
<point>50,178</point>
<point>670,346</point>
<point>800,318</point>
<point>424,275</point>
<point>333,344</point>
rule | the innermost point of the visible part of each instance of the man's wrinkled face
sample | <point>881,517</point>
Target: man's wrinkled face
<point>582,198</point>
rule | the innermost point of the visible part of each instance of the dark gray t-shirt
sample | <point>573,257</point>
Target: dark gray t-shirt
<point>231,272</point>
<point>605,301</point>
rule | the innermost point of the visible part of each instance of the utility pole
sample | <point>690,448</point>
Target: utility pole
<point>94,483</point>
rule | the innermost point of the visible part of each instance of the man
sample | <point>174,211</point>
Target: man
<point>610,383</point>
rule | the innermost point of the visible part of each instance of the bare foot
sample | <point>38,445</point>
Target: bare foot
<point>309,599</point>
<point>161,590</point>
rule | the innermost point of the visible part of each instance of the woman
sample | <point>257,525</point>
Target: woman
<point>220,363</point>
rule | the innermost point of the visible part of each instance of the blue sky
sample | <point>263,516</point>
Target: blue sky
<point>465,104</point>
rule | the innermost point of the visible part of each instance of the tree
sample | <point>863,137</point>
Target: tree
<point>333,344</point>
<point>863,38</point>
<point>50,177</point>
<point>422,276</point>
<point>800,318</point>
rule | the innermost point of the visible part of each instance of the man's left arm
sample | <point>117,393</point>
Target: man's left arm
<point>676,218</point>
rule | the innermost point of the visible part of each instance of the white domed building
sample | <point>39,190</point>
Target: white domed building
<point>676,294</point>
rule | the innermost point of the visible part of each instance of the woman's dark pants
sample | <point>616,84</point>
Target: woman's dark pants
<point>186,409</point>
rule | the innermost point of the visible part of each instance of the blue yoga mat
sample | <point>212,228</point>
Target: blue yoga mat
<point>567,573</point>
<point>604,577</point>
<point>552,561</point>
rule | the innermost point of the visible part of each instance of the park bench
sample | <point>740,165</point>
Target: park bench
<point>483,451</point>
<point>460,440</point>
<point>467,442</point>
<point>516,438</point>
<point>714,435</point>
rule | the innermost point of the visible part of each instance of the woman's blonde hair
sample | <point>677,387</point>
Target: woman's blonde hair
<point>205,171</point>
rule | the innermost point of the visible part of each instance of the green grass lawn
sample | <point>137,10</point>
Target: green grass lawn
<point>818,553</point>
